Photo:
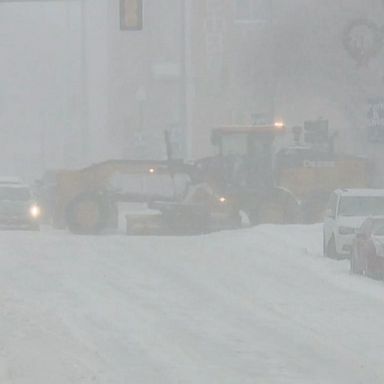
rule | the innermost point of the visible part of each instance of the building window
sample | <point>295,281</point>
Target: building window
<point>252,10</point>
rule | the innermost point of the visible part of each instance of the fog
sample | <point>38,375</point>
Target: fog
<point>191,191</point>
<point>81,90</point>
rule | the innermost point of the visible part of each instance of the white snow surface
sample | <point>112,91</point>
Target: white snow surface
<point>253,306</point>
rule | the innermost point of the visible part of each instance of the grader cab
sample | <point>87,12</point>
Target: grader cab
<point>243,171</point>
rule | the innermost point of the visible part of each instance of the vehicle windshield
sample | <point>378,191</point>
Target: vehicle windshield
<point>14,194</point>
<point>361,206</point>
<point>240,144</point>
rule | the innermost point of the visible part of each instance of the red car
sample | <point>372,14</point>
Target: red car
<point>367,256</point>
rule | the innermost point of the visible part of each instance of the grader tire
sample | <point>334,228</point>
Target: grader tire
<point>87,214</point>
<point>271,213</point>
<point>281,208</point>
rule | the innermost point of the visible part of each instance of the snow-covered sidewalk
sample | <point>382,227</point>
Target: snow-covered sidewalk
<point>254,306</point>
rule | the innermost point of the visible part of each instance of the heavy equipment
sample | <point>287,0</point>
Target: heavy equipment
<point>311,168</point>
<point>192,198</point>
<point>288,186</point>
<point>246,178</point>
<point>243,171</point>
<point>85,200</point>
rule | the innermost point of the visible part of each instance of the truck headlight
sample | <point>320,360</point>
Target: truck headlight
<point>222,200</point>
<point>35,211</point>
<point>346,231</point>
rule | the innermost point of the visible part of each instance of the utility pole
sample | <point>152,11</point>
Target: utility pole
<point>84,84</point>
<point>187,75</point>
<point>183,79</point>
<point>271,25</point>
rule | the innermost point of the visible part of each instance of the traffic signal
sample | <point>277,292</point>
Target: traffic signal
<point>131,15</point>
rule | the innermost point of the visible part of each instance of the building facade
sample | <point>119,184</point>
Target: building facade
<point>231,79</point>
<point>255,60</point>
<point>91,91</point>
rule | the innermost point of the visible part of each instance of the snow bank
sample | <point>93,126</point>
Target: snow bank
<point>254,306</point>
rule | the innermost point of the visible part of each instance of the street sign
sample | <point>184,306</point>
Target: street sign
<point>131,15</point>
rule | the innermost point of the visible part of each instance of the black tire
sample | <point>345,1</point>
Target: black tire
<point>356,266</point>
<point>94,221</point>
<point>331,251</point>
<point>279,207</point>
<point>272,213</point>
<point>269,213</point>
<point>374,270</point>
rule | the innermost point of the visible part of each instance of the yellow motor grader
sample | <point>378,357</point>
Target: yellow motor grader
<point>86,200</point>
<point>191,198</point>
<point>245,176</point>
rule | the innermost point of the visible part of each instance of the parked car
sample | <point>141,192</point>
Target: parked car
<point>367,255</point>
<point>17,206</point>
<point>347,210</point>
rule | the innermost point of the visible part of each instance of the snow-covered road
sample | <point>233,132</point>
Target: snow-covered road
<point>255,306</point>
